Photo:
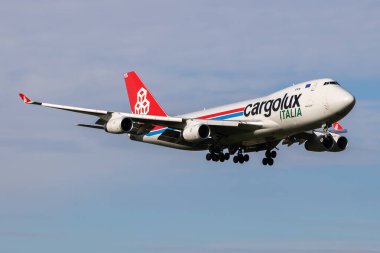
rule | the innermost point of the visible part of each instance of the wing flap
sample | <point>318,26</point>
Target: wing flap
<point>170,135</point>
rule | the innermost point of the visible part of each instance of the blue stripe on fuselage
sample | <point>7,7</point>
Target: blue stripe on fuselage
<point>228,116</point>
<point>160,131</point>
<point>233,115</point>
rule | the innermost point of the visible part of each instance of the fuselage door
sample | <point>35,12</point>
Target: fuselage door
<point>314,86</point>
<point>310,91</point>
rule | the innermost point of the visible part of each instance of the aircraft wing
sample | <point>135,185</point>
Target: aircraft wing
<point>106,115</point>
<point>299,138</point>
<point>93,112</point>
<point>302,137</point>
<point>178,123</point>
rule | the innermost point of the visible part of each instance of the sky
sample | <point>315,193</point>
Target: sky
<point>70,189</point>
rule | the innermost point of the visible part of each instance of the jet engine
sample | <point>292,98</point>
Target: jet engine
<point>340,143</point>
<point>320,143</point>
<point>196,132</point>
<point>119,126</point>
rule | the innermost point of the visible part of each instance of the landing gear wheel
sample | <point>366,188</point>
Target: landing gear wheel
<point>265,161</point>
<point>221,159</point>
<point>226,156</point>
<point>214,157</point>
<point>246,158</point>
<point>208,157</point>
<point>270,161</point>
<point>267,153</point>
<point>236,159</point>
<point>273,154</point>
<point>241,159</point>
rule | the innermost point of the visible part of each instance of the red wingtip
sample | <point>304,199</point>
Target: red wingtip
<point>25,99</point>
<point>337,126</point>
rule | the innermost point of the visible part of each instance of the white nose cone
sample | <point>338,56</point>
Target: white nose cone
<point>341,101</point>
<point>349,100</point>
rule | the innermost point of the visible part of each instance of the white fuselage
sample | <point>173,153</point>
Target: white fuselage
<point>301,107</point>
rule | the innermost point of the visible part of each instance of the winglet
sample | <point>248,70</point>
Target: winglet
<point>338,128</point>
<point>25,99</point>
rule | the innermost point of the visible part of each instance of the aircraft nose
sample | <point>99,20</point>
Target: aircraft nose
<point>348,100</point>
<point>341,102</point>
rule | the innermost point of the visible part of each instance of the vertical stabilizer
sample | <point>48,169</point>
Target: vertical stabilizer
<point>140,98</point>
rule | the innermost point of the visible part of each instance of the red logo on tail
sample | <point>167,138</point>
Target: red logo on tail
<point>142,104</point>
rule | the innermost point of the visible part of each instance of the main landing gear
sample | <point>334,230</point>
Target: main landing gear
<point>216,154</point>
<point>240,158</point>
<point>269,156</point>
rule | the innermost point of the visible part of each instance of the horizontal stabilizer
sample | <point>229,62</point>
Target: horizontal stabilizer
<point>91,126</point>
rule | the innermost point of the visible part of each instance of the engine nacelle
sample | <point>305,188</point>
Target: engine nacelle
<point>196,132</point>
<point>320,143</point>
<point>340,143</point>
<point>119,126</point>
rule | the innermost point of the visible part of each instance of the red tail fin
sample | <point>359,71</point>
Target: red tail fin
<point>140,98</point>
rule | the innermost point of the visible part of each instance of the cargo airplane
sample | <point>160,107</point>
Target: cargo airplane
<point>305,113</point>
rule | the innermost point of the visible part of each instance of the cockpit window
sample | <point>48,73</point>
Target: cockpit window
<point>331,83</point>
